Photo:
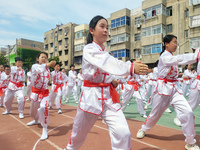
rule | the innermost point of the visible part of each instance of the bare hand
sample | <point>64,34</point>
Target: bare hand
<point>140,68</point>
<point>115,83</point>
<point>19,68</point>
<point>51,64</point>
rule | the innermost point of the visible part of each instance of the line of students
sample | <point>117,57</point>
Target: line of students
<point>99,97</point>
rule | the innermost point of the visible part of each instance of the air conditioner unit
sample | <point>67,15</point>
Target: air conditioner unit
<point>138,26</point>
<point>66,45</point>
<point>66,33</point>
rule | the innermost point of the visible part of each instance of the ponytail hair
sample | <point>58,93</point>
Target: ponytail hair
<point>92,25</point>
<point>168,38</point>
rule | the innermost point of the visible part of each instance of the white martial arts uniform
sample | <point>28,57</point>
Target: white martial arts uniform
<point>4,81</point>
<point>40,77</point>
<point>96,100</point>
<point>29,86</point>
<point>58,80</point>
<point>71,85</point>
<point>187,82</point>
<point>15,89</point>
<point>169,92</point>
<point>79,83</point>
<point>194,99</point>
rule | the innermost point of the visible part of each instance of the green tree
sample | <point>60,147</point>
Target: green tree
<point>28,62</point>
<point>57,60</point>
<point>3,60</point>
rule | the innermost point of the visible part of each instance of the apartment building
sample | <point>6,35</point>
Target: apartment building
<point>60,42</point>
<point>80,40</point>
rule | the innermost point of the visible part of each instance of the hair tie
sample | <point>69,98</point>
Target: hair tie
<point>163,43</point>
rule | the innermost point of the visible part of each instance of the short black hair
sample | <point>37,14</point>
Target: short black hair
<point>6,66</point>
<point>18,59</point>
<point>132,60</point>
<point>57,63</point>
<point>72,65</point>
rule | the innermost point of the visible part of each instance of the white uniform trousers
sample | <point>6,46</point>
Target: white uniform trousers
<point>128,94</point>
<point>117,126</point>
<point>55,95</point>
<point>69,90</point>
<point>39,111</point>
<point>29,90</point>
<point>64,92</point>
<point>9,96</point>
<point>2,99</point>
<point>183,111</point>
<point>186,88</point>
<point>194,99</point>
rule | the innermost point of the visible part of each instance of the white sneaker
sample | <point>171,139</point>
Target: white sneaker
<point>140,134</point>
<point>59,111</point>
<point>7,112</point>
<point>191,147</point>
<point>50,107</point>
<point>66,101</point>
<point>76,102</point>
<point>144,116</point>
<point>21,116</point>
<point>44,134</point>
<point>177,122</point>
<point>168,110</point>
<point>28,99</point>
<point>103,121</point>
<point>33,123</point>
<point>145,107</point>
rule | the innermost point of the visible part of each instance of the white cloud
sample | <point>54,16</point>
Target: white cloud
<point>4,22</point>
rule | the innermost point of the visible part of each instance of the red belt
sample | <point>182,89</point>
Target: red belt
<point>168,80</point>
<point>1,90</point>
<point>198,77</point>
<point>187,79</point>
<point>18,84</point>
<point>113,93</point>
<point>42,93</point>
<point>134,84</point>
<point>57,87</point>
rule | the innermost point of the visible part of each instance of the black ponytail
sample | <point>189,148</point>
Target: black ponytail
<point>92,25</point>
<point>168,38</point>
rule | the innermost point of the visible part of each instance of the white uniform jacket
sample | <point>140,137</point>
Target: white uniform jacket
<point>71,78</point>
<point>16,77</point>
<point>196,83</point>
<point>5,80</point>
<point>99,66</point>
<point>40,76</point>
<point>58,79</point>
<point>189,74</point>
<point>28,78</point>
<point>80,79</point>
<point>168,71</point>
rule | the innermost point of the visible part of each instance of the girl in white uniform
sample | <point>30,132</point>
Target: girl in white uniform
<point>28,85</point>
<point>15,88</point>
<point>58,80</point>
<point>4,80</point>
<point>64,89</point>
<point>169,92</point>
<point>79,82</point>
<point>40,76</point>
<point>99,97</point>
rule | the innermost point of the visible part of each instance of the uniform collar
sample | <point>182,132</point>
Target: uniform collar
<point>98,46</point>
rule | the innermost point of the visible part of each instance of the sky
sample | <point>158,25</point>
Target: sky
<point>29,19</point>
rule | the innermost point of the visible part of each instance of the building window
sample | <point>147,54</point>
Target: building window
<point>66,52</point>
<point>169,28</point>
<point>46,47</point>
<point>153,30</point>
<point>66,63</point>
<point>137,20</point>
<point>151,49</point>
<point>195,21</point>
<point>121,53</point>
<point>186,13</point>
<point>78,60</point>
<point>60,42</point>
<point>32,45</point>
<point>137,37</point>
<point>108,43</point>
<point>79,47</point>
<point>169,11</point>
<point>56,49</point>
<point>195,42</point>
<point>120,38</point>
<point>60,53</point>
<point>125,20</point>
<point>66,40</point>
<point>52,35</point>
<point>51,54</point>
<point>153,11</point>
<point>194,2</point>
<point>136,53</point>
<point>186,33</point>
<point>56,38</point>
<point>51,44</point>
<point>60,31</point>
<point>80,34</point>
